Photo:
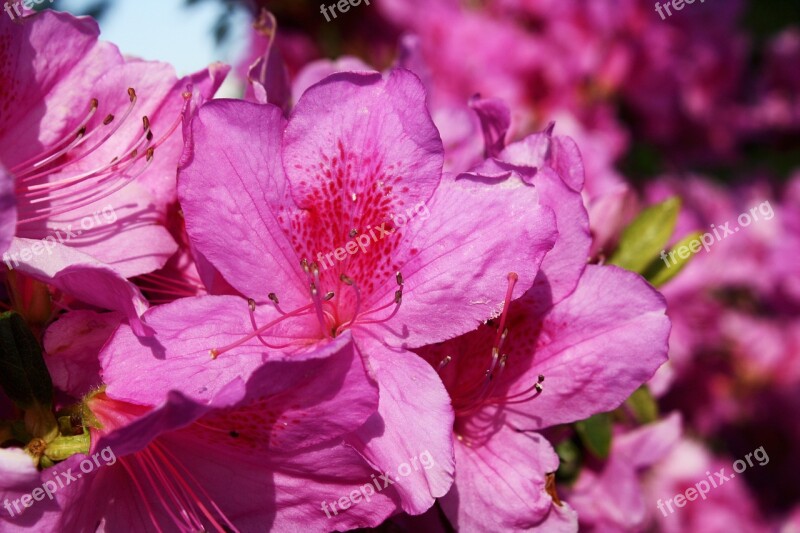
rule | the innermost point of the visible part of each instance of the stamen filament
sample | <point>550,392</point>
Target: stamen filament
<point>216,352</point>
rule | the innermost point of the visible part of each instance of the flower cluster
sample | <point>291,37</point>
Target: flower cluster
<point>487,350</point>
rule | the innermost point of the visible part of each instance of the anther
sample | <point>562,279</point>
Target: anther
<point>399,278</point>
<point>329,296</point>
<point>94,103</point>
<point>108,119</point>
<point>304,265</point>
<point>251,304</point>
<point>398,296</point>
<point>81,133</point>
<point>149,154</point>
<point>145,123</point>
<point>214,353</point>
<point>353,233</point>
<point>274,297</point>
<point>186,95</point>
<point>444,362</point>
<point>131,94</point>
<point>347,280</point>
<point>353,196</point>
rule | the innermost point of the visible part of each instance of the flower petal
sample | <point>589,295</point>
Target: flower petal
<point>235,181</point>
<point>456,265</point>
<point>594,348</point>
<point>71,346</point>
<point>509,468</point>
<point>79,275</point>
<point>414,416</point>
<point>8,210</point>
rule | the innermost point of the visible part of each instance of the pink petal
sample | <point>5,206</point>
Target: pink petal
<point>8,210</point>
<point>71,346</point>
<point>125,231</point>
<point>594,348</point>
<point>359,149</point>
<point>457,261</point>
<point>316,71</point>
<point>414,416</point>
<point>235,181</point>
<point>142,370</point>
<point>78,275</point>
<point>500,484</point>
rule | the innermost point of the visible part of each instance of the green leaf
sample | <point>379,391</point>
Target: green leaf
<point>570,462</point>
<point>643,405</point>
<point>23,374</point>
<point>646,236</point>
<point>670,264</point>
<point>595,433</point>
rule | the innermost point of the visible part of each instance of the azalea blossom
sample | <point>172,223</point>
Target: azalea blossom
<point>92,132</point>
<point>358,151</point>
<point>578,342</point>
<point>257,453</point>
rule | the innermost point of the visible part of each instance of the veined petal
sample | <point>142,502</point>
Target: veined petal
<point>594,348</point>
<point>500,484</point>
<point>79,275</point>
<point>456,264</point>
<point>414,417</point>
<point>235,181</point>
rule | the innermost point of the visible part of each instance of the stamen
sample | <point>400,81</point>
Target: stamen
<point>398,299</point>
<point>512,281</point>
<point>68,138</point>
<point>95,184</point>
<point>80,140</point>
<point>347,280</point>
<point>216,352</point>
<point>515,398</point>
<point>444,362</point>
<point>483,388</point>
<point>272,296</point>
<point>251,305</point>
<point>318,308</point>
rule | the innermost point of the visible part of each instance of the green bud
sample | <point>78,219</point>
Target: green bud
<point>64,447</point>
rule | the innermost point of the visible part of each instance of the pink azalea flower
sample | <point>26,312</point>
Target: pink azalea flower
<point>264,451</point>
<point>728,506</point>
<point>358,153</point>
<point>610,498</point>
<point>577,343</point>
<point>92,142</point>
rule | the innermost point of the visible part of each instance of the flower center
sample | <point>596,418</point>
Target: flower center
<point>329,310</point>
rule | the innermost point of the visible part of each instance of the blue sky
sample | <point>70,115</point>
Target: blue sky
<point>168,31</point>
